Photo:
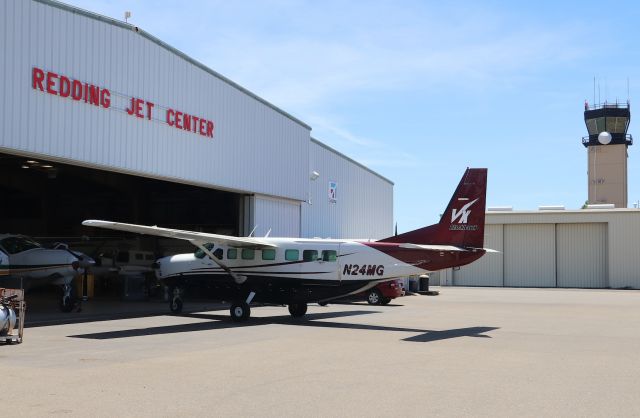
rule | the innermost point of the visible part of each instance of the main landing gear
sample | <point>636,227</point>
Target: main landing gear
<point>297,310</point>
<point>240,311</point>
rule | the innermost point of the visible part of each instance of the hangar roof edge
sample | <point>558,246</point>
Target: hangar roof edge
<point>556,212</point>
<point>323,145</point>
<point>142,32</point>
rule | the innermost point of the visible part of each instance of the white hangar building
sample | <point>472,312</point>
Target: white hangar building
<point>588,248</point>
<point>101,120</point>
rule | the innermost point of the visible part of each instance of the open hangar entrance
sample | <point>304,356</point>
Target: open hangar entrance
<point>48,201</point>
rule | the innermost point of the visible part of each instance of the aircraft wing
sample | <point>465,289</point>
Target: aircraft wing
<point>193,237</point>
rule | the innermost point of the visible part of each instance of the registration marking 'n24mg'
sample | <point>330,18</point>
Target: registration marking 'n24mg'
<point>363,270</point>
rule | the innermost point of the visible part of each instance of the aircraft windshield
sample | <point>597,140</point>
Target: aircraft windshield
<point>15,245</point>
<point>200,254</point>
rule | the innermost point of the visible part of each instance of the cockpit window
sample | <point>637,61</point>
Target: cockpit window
<point>15,245</point>
<point>200,254</point>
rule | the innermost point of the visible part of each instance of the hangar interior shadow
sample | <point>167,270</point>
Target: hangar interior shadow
<point>48,199</point>
<point>310,320</point>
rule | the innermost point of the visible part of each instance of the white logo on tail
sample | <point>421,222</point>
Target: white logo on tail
<point>463,214</point>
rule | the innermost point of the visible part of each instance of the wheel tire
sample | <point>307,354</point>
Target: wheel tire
<point>385,301</point>
<point>240,311</point>
<point>374,297</point>
<point>323,303</point>
<point>66,304</point>
<point>297,309</point>
<point>175,305</point>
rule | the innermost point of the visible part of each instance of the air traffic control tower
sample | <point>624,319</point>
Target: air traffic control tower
<point>607,149</point>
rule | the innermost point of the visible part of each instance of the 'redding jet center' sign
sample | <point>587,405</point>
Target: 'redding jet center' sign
<point>69,88</point>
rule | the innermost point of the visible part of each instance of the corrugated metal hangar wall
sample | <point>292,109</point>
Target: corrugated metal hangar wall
<point>88,91</point>
<point>578,249</point>
<point>341,192</point>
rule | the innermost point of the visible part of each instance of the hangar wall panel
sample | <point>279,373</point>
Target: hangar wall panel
<point>363,204</point>
<point>582,255</point>
<point>279,215</point>
<point>488,270</point>
<point>249,137</point>
<point>624,250</point>
<point>529,258</point>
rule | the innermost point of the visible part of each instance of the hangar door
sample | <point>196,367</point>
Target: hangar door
<point>582,255</point>
<point>487,271</point>
<point>281,216</point>
<point>529,255</point>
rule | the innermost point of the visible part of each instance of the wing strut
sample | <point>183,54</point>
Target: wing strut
<point>239,279</point>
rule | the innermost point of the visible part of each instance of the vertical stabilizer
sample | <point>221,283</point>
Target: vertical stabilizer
<point>462,223</point>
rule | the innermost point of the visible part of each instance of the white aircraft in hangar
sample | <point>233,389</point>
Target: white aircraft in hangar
<point>27,264</point>
<point>297,271</point>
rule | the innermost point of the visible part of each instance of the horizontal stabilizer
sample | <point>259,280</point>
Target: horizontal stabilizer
<point>444,248</point>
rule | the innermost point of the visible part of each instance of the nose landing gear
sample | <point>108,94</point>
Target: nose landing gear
<point>175,300</point>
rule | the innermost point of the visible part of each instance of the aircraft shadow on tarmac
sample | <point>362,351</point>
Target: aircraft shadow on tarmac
<point>310,320</point>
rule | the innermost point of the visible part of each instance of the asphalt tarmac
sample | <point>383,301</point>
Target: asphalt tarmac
<point>466,352</point>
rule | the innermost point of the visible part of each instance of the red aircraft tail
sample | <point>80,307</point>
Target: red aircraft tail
<point>462,223</point>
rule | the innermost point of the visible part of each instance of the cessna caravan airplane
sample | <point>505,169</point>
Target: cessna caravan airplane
<point>297,271</point>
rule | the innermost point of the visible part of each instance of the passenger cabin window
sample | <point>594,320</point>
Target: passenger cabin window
<point>329,255</point>
<point>232,253</point>
<point>269,254</point>
<point>200,254</point>
<point>218,253</point>
<point>123,257</point>
<point>248,253</point>
<point>292,255</point>
<point>310,255</point>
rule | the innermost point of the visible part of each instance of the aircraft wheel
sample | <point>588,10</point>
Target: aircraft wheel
<point>374,297</point>
<point>175,305</point>
<point>385,301</point>
<point>297,309</point>
<point>323,303</point>
<point>67,303</point>
<point>240,311</point>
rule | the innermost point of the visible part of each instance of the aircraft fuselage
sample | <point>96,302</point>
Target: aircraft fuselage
<point>305,270</point>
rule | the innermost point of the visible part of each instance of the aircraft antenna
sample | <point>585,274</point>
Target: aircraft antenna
<point>252,231</point>
<point>267,234</point>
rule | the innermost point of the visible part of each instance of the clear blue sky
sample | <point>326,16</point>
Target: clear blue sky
<point>419,90</point>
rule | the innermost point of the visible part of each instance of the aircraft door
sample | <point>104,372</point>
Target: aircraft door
<point>328,264</point>
<point>341,251</point>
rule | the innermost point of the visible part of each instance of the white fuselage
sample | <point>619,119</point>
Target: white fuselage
<point>35,266</point>
<point>320,261</point>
